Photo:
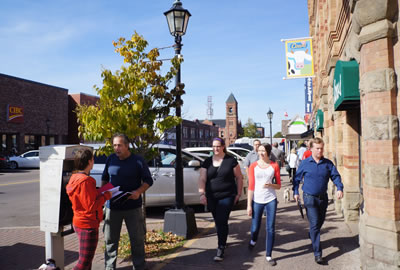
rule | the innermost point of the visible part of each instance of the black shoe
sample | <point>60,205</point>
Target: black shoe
<point>272,262</point>
<point>220,255</point>
<point>319,260</point>
<point>251,246</point>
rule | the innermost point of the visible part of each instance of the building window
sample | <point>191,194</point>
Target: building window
<point>185,132</point>
<point>231,134</point>
<point>231,123</point>
<point>192,133</point>
<point>207,133</point>
<point>29,142</point>
<point>230,110</point>
<point>222,134</point>
<point>200,133</point>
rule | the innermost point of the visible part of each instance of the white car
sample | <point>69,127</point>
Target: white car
<point>239,150</point>
<point>162,192</point>
<point>209,152</point>
<point>29,159</point>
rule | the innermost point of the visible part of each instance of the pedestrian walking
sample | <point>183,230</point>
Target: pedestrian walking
<point>292,160</point>
<point>87,206</point>
<point>301,150</point>
<point>252,156</point>
<point>264,179</point>
<point>131,173</point>
<point>220,187</point>
<point>307,153</point>
<point>315,171</point>
<point>277,155</point>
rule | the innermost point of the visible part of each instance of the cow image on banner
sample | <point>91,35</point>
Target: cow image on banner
<point>299,58</point>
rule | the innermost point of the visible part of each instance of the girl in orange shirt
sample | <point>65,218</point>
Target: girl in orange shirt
<point>87,205</point>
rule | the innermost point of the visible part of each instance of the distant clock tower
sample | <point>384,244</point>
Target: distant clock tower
<point>231,126</point>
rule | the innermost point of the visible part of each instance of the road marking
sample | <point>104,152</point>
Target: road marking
<point>18,183</point>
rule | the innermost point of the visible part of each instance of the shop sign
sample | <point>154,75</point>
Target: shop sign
<point>319,119</point>
<point>309,95</point>
<point>346,94</point>
<point>15,114</point>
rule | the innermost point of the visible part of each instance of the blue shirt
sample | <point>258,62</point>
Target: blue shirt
<point>128,174</point>
<point>316,176</point>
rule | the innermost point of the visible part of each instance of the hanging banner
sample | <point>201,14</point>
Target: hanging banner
<point>299,58</point>
<point>309,95</point>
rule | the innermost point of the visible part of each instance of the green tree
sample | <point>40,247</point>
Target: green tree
<point>250,129</point>
<point>278,135</point>
<point>134,100</point>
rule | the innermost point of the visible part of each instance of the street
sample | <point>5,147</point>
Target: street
<point>292,247</point>
<point>19,198</point>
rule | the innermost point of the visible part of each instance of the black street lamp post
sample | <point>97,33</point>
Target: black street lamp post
<point>47,140</point>
<point>180,220</point>
<point>270,114</point>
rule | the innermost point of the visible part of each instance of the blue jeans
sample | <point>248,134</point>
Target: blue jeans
<point>221,209</point>
<point>270,209</point>
<point>316,211</point>
<point>112,229</point>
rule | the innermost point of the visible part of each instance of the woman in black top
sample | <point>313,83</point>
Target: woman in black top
<point>220,187</point>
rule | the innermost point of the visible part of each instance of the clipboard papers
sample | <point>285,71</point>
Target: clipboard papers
<point>120,197</point>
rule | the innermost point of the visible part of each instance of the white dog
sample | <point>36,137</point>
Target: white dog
<point>286,195</point>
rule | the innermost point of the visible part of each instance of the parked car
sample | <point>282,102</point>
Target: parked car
<point>162,169</point>
<point>4,162</point>
<point>239,150</point>
<point>242,145</point>
<point>209,152</point>
<point>29,159</point>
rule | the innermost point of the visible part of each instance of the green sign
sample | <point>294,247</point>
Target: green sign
<point>346,94</point>
<point>319,119</point>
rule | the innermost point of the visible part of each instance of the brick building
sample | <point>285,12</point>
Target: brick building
<point>194,133</point>
<point>356,111</point>
<point>230,127</point>
<point>73,101</point>
<point>32,114</point>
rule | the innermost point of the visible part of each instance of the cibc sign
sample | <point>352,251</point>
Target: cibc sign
<point>15,114</point>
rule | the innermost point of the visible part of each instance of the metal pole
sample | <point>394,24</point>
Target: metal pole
<point>178,164</point>
<point>270,130</point>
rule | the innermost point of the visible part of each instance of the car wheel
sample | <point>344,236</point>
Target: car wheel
<point>13,165</point>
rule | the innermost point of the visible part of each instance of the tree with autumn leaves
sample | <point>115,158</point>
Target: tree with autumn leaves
<point>134,100</point>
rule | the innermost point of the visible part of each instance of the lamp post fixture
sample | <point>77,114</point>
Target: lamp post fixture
<point>179,220</point>
<point>270,114</point>
<point>48,125</point>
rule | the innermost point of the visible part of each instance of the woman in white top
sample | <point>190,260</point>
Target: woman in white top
<point>264,179</point>
<point>292,160</point>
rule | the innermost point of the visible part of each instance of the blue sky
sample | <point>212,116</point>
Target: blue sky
<point>230,47</point>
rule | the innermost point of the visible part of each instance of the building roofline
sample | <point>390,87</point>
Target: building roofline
<point>85,94</point>
<point>25,80</point>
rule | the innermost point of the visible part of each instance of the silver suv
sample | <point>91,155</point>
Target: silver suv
<point>162,169</point>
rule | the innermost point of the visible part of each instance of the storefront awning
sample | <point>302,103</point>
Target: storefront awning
<point>319,120</point>
<point>308,134</point>
<point>346,94</point>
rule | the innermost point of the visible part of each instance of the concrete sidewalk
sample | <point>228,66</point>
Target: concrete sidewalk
<point>23,248</point>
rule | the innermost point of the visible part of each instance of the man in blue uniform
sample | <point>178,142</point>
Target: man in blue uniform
<point>315,171</point>
<point>131,173</point>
